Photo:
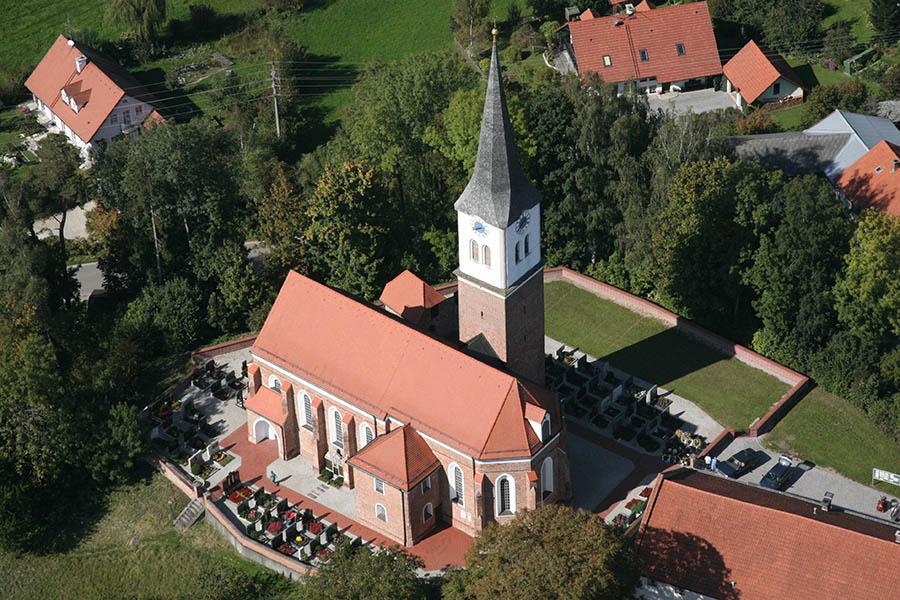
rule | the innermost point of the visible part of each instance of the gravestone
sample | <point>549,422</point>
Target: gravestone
<point>196,458</point>
<point>211,450</point>
<point>617,393</point>
<point>653,393</point>
<point>282,506</point>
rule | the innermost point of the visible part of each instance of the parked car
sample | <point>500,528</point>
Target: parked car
<point>777,476</point>
<point>742,463</point>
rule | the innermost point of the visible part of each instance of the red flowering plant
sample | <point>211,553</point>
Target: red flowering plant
<point>239,495</point>
<point>275,527</point>
<point>323,553</point>
<point>286,548</point>
<point>316,527</point>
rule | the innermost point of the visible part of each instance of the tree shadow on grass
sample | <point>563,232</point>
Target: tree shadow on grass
<point>319,76</point>
<point>807,75</point>
<point>686,561</point>
<point>664,357</point>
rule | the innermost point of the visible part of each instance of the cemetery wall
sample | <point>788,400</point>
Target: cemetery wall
<point>717,445</point>
<point>204,354</point>
<point>686,326</point>
<point>250,549</point>
<point>173,474</point>
<point>780,408</point>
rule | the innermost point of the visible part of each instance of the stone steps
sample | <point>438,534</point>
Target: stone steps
<point>191,513</point>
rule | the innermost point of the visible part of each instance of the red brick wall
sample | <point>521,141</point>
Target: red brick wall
<point>396,526</point>
<point>513,326</point>
<point>417,498</point>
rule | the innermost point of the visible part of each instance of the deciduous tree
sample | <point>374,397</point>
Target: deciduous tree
<point>550,552</point>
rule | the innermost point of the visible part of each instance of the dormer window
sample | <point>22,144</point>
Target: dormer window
<point>64,95</point>
<point>644,56</point>
<point>73,105</point>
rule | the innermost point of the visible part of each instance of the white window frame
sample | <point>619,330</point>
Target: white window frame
<point>306,410</point>
<point>486,256</point>
<point>547,480</point>
<point>473,250</point>
<point>337,429</point>
<point>457,495</point>
<point>363,440</point>
<point>427,513</point>
<point>379,486</point>
<point>383,516</point>
<point>512,495</point>
<point>274,383</point>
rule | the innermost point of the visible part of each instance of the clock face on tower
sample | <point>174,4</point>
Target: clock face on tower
<point>523,222</point>
<point>479,228</point>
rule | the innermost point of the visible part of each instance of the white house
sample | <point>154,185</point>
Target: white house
<point>88,96</point>
<point>757,74</point>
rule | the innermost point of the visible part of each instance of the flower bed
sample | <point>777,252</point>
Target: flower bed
<point>239,495</point>
<point>275,527</point>
<point>323,553</point>
<point>286,548</point>
<point>223,458</point>
<point>316,528</point>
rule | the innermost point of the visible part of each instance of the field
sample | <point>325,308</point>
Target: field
<point>133,552</point>
<point>852,11</point>
<point>731,392</point>
<point>834,434</point>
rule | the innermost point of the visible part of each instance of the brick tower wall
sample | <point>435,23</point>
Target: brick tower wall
<point>513,326</point>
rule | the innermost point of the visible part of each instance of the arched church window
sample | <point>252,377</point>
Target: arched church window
<point>486,254</point>
<point>473,250</point>
<point>518,251</point>
<point>505,496</point>
<point>527,247</point>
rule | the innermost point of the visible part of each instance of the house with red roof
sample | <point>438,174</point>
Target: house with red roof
<point>671,47</point>
<point>757,74</point>
<point>874,179</point>
<point>87,96</point>
<point>425,429</point>
<point>728,540</point>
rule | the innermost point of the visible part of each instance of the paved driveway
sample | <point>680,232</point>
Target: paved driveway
<point>812,484</point>
<point>698,101</point>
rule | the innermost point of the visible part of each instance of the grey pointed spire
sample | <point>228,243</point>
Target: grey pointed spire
<point>498,191</point>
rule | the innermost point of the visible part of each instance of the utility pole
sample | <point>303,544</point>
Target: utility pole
<point>275,98</point>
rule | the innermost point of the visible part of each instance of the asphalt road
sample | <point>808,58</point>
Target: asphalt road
<point>812,484</point>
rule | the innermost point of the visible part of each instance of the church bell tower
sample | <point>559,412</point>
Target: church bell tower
<point>501,284</point>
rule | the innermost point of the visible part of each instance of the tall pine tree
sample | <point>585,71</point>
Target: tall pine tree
<point>885,18</point>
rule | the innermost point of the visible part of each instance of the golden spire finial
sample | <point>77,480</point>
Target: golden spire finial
<point>494,31</point>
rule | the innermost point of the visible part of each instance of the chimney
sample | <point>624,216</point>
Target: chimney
<point>826,501</point>
<point>895,165</point>
<point>629,9</point>
<point>71,43</point>
<point>897,536</point>
<point>80,63</point>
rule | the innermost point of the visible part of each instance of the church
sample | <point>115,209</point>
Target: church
<point>426,429</point>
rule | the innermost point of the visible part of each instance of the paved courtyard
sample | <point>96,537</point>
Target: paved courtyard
<point>698,101</point>
<point>596,471</point>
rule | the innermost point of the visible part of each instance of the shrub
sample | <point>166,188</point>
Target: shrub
<point>756,122</point>
<point>196,468</point>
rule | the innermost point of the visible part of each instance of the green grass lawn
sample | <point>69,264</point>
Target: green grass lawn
<point>815,74</point>
<point>29,27</point>
<point>834,434</point>
<point>789,118</point>
<point>163,564</point>
<point>733,393</point>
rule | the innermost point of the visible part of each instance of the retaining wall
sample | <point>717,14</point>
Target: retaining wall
<point>204,354</point>
<point>798,381</point>
<point>250,549</point>
<point>718,444</point>
<point>171,472</point>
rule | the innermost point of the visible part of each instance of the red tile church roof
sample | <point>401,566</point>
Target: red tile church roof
<point>754,69</point>
<point>267,403</point>
<point>657,31</point>
<point>401,458</point>
<point>387,368</point>
<point>409,296</point>
<point>726,539</point>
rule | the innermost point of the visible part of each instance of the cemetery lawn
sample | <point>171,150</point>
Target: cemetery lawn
<point>834,434</point>
<point>163,564</point>
<point>731,392</point>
